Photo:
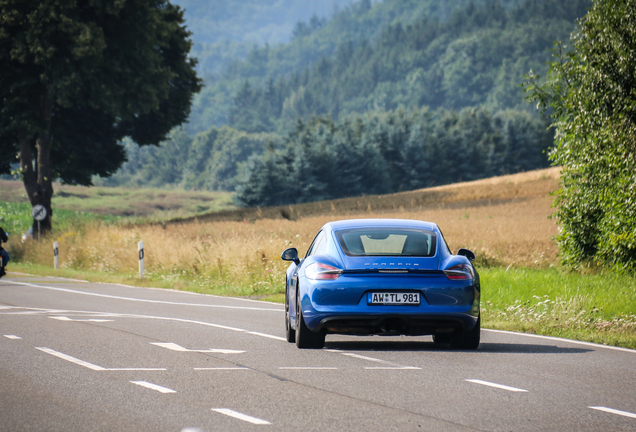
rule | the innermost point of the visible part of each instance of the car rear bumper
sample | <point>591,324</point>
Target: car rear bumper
<point>395,324</point>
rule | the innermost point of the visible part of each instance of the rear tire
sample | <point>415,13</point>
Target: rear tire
<point>468,340</point>
<point>290,333</point>
<point>306,338</point>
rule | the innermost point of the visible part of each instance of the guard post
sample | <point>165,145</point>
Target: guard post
<point>140,247</point>
<point>56,260</point>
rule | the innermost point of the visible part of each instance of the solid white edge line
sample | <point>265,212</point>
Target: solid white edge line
<point>152,386</point>
<point>142,300</point>
<point>70,359</point>
<point>50,277</point>
<point>614,411</point>
<point>122,315</point>
<point>14,337</point>
<point>149,288</point>
<point>499,386</point>
<point>592,344</point>
<point>241,416</point>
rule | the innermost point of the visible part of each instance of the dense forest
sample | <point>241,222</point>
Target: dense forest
<point>383,152</point>
<point>380,97</point>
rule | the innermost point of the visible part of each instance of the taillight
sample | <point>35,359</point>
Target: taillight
<point>460,272</point>
<point>319,271</point>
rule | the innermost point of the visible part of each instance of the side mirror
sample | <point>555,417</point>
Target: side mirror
<point>290,254</point>
<point>467,253</point>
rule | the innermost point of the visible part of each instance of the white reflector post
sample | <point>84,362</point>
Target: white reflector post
<point>56,259</point>
<point>140,247</point>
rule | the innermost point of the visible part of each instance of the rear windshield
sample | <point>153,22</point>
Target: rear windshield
<point>387,242</point>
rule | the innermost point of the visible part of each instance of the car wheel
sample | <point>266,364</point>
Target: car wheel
<point>290,333</point>
<point>468,340</point>
<point>443,338</point>
<point>306,338</point>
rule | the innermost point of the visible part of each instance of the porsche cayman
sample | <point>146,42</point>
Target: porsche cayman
<point>382,277</point>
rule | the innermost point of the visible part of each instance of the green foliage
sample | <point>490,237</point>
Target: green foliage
<point>451,54</point>
<point>591,91</point>
<point>383,152</point>
<point>71,74</point>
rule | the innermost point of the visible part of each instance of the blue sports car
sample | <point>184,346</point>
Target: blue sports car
<point>381,277</point>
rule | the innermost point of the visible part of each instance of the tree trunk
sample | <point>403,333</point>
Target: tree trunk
<point>38,183</point>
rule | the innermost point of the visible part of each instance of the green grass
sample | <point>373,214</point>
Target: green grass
<point>139,205</point>
<point>592,307</point>
<point>16,219</point>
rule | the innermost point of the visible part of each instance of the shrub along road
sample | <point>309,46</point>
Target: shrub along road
<point>78,356</point>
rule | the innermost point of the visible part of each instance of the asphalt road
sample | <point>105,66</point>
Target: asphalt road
<point>77,356</point>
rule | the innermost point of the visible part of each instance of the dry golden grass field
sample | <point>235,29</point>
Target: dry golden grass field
<point>505,220</point>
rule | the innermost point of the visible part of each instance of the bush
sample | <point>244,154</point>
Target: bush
<point>591,91</point>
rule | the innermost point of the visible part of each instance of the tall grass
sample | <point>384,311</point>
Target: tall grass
<point>243,258</point>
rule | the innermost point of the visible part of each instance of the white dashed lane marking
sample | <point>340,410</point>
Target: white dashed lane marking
<point>241,416</point>
<point>614,411</point>
<point>88,365</point>
<point>14,337</point>
<point>152,386</point>
<point>393,368</point>
<point>220,368</point>
<point>389,365</point>
<point>63,318</point>
<point>307,368</point>
<point>499,386</point>
<point>174,347</point>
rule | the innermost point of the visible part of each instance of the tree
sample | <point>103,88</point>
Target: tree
<point>77,76</point>
<point>591,92</point>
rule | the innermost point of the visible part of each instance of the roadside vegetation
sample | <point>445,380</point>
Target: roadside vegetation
<point>504,220</point>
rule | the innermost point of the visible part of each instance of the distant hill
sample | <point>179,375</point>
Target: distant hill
<point>450,54</point>
<point>379,96</point>
<point>225,31</point>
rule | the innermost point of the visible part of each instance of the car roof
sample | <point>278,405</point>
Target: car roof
<point>380,223</point>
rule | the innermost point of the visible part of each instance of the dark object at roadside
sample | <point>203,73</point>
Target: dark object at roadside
<point>4,255</point>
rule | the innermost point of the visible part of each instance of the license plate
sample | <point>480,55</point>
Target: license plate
<point>393,298</point>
